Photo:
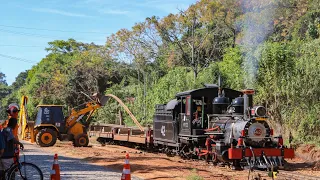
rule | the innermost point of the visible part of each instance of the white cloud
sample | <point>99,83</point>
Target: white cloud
<point>55,11</point>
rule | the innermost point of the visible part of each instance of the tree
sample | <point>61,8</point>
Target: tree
<point>3,79</point>
<point>69,47</point>
<point>200,33</point>
<point>20,80</point>
<point>4,88</point>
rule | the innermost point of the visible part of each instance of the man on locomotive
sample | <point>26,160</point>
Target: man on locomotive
<point>197,117</point>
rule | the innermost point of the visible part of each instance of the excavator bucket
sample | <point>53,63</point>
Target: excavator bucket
<point>103,100</point>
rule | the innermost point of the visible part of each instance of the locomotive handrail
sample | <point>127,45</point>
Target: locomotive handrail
<point>213,129</point>
<point>214,133</point>
<point>251,137</point>
<point>225,115</point>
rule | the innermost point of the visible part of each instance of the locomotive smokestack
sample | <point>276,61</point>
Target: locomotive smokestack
<point>249,93</point>
<point>245,106</point>
<point>248,101</point>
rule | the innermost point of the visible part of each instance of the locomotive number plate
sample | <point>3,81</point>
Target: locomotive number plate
<point>261,119</point>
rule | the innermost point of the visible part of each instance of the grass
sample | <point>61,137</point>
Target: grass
<point>194,175</point>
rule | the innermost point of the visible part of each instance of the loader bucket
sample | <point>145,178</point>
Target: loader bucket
<point>103,100</point>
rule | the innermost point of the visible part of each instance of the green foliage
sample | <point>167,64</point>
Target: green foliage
<point>230,68</point>
<point>194,175</point>
<point>5,90</point>
<point>308,26</point>
<point>285,85</point>
<point>20,80</point>
<point>310,124</point>
<point>3,79</point>
<point>70,47</point>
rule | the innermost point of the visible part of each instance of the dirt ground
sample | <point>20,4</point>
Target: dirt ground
<point>161,167</point>
<point>307,160</point>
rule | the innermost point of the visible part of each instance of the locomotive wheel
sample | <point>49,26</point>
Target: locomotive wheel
<point>46,137</point>
<point>169,152</point>
<point>81,140</point>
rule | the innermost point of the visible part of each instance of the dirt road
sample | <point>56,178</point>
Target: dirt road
<point>98,162</point>
<point>71,168</point>
<point>143,165</point>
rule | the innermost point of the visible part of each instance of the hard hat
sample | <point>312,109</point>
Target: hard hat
<point>13,108</point>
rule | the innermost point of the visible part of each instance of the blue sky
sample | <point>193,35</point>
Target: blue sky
<point>27,26</point>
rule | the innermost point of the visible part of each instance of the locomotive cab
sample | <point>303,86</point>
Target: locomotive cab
<point>185,123</point>
<point>197,104</point>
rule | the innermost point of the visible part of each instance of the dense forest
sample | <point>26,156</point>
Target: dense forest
<point>272,46</point>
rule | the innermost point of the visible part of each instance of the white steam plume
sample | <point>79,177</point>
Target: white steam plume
<point>257,24</point>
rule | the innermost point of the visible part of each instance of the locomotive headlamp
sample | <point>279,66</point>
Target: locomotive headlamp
<point>258,111</point>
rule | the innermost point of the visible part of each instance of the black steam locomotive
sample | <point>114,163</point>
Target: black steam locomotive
<point>220,125</point>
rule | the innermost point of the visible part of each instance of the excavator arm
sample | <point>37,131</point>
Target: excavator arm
<point>25,126</point>
<point>90,108</point>
<point>22,122</point>
<point>76,116</point>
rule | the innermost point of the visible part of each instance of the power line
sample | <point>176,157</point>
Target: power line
<point>39,35</point>
<point>15,45</point>
<point>41,29</point>
<point>17,58</point>
<point>28,34</point>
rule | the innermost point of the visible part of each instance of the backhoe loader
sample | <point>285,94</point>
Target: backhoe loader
<point>50,123</point>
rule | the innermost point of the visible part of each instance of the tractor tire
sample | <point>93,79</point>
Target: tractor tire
<point>81,140</point>
<point>46,137</point>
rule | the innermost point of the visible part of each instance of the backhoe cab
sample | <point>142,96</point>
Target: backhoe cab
<point>50,123</point>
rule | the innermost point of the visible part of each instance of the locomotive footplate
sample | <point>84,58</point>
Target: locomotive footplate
<point>241,153</point>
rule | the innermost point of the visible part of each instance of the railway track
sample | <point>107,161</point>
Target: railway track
<point>281,175</point>
<point>295,176</point>
<point>263,175</point>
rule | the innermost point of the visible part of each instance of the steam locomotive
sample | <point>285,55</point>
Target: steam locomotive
<point>220,125</point>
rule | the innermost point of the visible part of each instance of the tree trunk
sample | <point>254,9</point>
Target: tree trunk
<point>234,38</point>
<point>195,75</point>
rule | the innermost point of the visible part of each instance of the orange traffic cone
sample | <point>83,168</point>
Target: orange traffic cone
<point>55,173</point>
<point>126,169</point>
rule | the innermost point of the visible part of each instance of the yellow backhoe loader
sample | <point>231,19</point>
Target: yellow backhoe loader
<point>50,123</point>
